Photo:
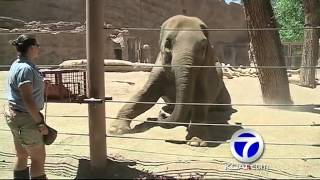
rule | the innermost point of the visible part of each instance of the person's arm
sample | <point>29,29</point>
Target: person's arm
<point>25,80</point>
<point>26,94</point>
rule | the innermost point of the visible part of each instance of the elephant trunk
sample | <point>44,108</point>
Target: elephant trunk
<point>185,82</point>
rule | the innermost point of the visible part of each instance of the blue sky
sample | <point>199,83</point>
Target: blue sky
<point>235,1</point>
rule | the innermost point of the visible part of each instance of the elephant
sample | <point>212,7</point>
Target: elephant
<point>184,41</point>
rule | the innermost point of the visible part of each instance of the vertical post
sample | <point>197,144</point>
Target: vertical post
<point>125,48</point>
<point>95,46</point>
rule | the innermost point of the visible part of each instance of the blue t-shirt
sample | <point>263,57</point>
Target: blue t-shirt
<point>23,71</point>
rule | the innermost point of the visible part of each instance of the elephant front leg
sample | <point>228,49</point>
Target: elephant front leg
<point>151,92</point>
<point>198,134</point>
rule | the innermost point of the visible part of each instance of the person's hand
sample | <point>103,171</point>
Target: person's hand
<point>43,129</point>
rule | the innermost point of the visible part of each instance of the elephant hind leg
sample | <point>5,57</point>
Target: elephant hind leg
<point>223,98</point>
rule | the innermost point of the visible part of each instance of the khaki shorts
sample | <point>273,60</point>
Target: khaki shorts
<point>23,128</point>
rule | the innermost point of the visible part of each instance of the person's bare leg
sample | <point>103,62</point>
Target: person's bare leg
<point>20,170</point>
<point>22,157</point>
<point>37,154</point>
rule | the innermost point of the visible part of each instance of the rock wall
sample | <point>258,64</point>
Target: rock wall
<point>44,10</point>
<point>54,48</point>
<point>127,13</point>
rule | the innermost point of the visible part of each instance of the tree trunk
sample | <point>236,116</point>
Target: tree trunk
<point>311,44</point>
<point>266,50</point>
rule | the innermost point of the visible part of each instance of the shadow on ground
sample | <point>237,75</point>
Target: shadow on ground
<point>114,170</point>
<point>310,109</point>
<point>216,133</point>
<point>221,133</point>
<point>122,170</point>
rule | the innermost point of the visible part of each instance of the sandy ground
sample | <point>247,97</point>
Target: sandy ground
<point>131,157</point>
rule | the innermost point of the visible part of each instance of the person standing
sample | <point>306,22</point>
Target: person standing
<point>117,37</point>
<point>26,100</point>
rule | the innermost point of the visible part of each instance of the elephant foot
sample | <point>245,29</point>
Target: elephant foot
<point>197,142</point>
<point>196,136</point>
<point>164,113</point>
<point>119,128</point>
<point>163,117</point>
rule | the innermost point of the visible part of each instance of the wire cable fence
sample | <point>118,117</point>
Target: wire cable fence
<point>194,104</point>
<point>166,153</point>
<point>314,105</point>
<point>181,140</point>
<point>172,29</point>
<point>195,124</point>
<point>170,66</point>
<point>237,124</point>
<point>212,104</point>
<point>204,156</point>
<point>27,31</point>
<point>213,124</point>
<point>210,29</point>
<point>163,153</point>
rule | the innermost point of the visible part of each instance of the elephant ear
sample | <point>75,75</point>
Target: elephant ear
<point>210,55</point>
<point>204,30</point>
<point>165,45</point>
<point>212,59</point>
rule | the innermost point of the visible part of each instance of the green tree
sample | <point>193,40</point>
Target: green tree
<point>265,47</point>
<point>310,44</point>
<point>289,14</point>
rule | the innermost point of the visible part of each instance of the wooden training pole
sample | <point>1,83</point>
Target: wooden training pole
<point>97,123</point>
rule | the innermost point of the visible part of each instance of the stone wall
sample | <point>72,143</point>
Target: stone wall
<point>128,13</point>
<point>54,48</point>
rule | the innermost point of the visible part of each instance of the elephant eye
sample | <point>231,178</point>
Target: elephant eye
<point>168,44</point>
<point>167,51</point>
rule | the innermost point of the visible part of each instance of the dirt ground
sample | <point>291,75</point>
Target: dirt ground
<point>133,158</point>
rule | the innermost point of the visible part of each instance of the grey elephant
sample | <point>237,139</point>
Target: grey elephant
<point>184,42</point>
